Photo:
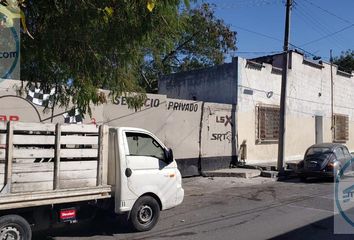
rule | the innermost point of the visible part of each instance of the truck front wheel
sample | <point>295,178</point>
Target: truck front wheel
<point>14,227</point>
<point>145,214</point>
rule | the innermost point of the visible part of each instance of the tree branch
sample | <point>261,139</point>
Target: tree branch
<point>179,47</point>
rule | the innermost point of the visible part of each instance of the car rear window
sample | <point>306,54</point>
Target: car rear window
<point>317,150</point>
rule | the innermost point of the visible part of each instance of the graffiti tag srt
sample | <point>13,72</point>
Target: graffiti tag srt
<point>9,118</point>
<point>222,137</point>
<point>225,120</point>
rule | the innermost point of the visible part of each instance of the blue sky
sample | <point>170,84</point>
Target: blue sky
<point>260,25</point>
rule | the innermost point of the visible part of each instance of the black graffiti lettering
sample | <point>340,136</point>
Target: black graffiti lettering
<point>124,101</point>
<point>156,103</point>
<point>220,119</point>
<point>191,107</point>
<point>228,120</point>
<point>175,106</point>
<point>152,102</point>
<point>147,102</point>
<point>116,100</point>
<point>214,136</point>
<point>222,137</point>
<point>225,120</point>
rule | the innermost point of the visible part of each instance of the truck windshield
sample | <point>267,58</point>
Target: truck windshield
<point>143,145</point>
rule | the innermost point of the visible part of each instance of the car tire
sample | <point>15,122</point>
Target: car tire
<point>15,227</point>
<point>303,179</point>
<point>145,214</point>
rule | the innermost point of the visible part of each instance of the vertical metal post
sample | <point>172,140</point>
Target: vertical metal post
<point>101,135</point>
<point>332,98</point>
<point>56,181</point>
<point>282,117</point>
<point>9,155</point>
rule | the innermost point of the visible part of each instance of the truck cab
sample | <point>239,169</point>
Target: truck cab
<point>57,174</point>
<point>143,175</point>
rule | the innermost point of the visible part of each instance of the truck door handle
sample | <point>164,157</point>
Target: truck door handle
<point>128,172</point>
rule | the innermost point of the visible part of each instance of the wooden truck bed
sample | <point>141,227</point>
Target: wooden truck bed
<point>44,164</point>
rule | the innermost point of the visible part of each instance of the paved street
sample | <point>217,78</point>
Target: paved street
<point>233,208</point>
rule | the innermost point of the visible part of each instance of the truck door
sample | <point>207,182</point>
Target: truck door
<point>147,168</point>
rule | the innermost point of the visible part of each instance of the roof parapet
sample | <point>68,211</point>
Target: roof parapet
<point>312,63</point>
<point>254,65</point>
<point>344,74</point>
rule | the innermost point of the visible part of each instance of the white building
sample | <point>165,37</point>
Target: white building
<point>254,86</point>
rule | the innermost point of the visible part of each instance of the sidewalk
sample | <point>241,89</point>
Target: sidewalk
<point>267,170</point>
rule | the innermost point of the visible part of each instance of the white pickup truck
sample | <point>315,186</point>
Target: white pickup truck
<point>69,171</point>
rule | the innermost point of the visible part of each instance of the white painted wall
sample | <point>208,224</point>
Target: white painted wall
<point>176,122</point>
<point>308,95</point>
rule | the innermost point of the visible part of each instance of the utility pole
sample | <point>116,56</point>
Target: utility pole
<point>332,103</point>
<point>282,115</point>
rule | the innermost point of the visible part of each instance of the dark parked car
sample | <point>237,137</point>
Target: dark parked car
<point>323,160</point>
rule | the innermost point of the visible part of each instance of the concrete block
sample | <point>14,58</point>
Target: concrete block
<point>233,172</point>
<point>269,174</point>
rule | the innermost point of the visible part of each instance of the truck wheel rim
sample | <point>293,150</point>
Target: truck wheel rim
<point>145,214</point>
<point>10,233</point>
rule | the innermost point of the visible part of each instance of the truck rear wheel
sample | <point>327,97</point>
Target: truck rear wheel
<point>14,227</point>
<point>145,214</point>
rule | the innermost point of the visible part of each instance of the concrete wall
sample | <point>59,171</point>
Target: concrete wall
<point>254,83</point>
<point>216,84</point>
<point>219,136</point>
<point>150,117</point>
<point>258,83</point>
<point>201,134</point>
<point>308,96</point>
<point>182,130</point>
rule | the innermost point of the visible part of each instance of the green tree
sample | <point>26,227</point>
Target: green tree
<point>96,43</point>
<point>197,40</point>
<point>119,45</point>
<point>345,61</point>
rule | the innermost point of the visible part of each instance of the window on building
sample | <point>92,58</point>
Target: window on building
<point>267,123</point>
<point>341,128</point>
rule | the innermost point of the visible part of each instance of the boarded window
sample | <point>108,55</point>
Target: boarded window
<point>341,128</point>
<point>267,123</point>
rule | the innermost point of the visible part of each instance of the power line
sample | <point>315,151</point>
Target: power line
<point>273,38</point>
<point>315,24</point>
<point>328,12</point>
<point>248,3</point>
<point>257,33</point>
<point>328,35</point>
<point>251,52</point>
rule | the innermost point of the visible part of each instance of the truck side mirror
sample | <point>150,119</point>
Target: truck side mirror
<point>169,155</point>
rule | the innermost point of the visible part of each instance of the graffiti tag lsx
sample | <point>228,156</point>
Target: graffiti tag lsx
<point>225,120</point>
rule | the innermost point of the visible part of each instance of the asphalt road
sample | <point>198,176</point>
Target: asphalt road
<point>230,208</point>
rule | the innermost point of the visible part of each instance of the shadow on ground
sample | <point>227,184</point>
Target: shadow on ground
<point>315,231</point>
<point>100,226</point>
<point>308,180</point>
